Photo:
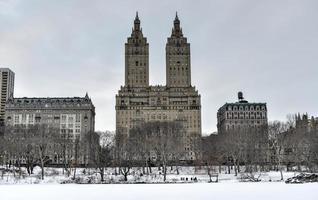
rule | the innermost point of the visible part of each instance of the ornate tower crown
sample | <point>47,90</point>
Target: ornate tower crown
<point>137,23</point>
<point>178,65</point>
<point>137,57</point>
<point>176,30</point>
<point>136,30</point>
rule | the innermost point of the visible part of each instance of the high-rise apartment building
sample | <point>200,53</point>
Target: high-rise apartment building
<point>137,101</point>
<point>7,89</point>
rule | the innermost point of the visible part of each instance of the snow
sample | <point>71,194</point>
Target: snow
<point>227,190</point>
<point>56,176</point>
<point>228,187</point>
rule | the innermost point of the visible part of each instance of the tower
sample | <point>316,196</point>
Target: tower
<point>178,67</point>
<point>138,103</point>
<point>137,58</point>
<point>7,88</point>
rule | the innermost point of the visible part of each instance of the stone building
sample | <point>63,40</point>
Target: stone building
<point>304,123</point>
<point>138,102</point>
<point>71,115</point>
<point>7,89</point>
<point>70,119</point>
<point>241,114</point>
<point>299,144</point>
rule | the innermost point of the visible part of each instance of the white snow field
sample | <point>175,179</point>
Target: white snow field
<point>229,186</point>
<point>236,191</point>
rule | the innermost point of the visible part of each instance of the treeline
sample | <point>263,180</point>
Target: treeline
<point>277,146</point>
<point>162,144</point>
<point>43,146</point>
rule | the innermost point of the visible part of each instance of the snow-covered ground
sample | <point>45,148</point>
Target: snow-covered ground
<point>228,187</point>
<point>186,175</point>
<point>227,190</point>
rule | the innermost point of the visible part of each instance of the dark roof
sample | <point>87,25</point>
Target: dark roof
<point>241,104</point>
<point>50,101</point>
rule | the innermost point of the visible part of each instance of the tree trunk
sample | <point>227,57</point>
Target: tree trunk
<point>115,171</point>
<point>238,167</point>
<point>125,171</point>
<point>102,174</point>
<point>125,176</point>
<point>74,175</point>
<point>42,169</point>
<point>210,176</point>
<point>164,173</point>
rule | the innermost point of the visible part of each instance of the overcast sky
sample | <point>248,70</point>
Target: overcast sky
<point>267,49</point>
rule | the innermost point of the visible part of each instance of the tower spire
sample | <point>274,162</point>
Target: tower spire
<point>176,31</point>
<point>176,18</point>
<point>136,18</point>
<point>137,22</point>
<point>176,21</point>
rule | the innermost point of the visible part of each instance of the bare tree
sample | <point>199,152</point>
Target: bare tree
<point>166,140</point>
<point>102,150</point>
<point>140,144</point>
<point>65,152</point>
<point>43,138</point>
<point>123,155</point>
<point>213,155</point>
<point>276,131</point>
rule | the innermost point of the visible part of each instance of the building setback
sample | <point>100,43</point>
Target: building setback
<point>7,89</point>
<point>137,101</point>
<point>241,114</point>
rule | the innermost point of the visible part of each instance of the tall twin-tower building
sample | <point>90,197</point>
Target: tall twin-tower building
<point>137,101</point>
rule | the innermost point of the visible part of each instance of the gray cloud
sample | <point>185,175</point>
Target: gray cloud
<point>268,49</point>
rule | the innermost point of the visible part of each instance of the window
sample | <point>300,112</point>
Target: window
<point>31,118</point>
<point>23,118</point>
<point>16,119</point>
<point>63,118</point>
<point>78,118</point>
<point>70,119</point>
<point>37,119</point>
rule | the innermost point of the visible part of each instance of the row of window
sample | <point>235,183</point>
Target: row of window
<point>247,107</point>
<point>251,115</point>
<point>231,127</point>
<point>137,63</point>
<point>179,68</point>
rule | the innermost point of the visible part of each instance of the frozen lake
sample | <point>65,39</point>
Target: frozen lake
<point>237,191</point>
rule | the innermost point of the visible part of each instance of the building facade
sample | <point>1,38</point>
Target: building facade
<point>73,116</point>
<point>7,90</point>
<point>304,123</point>
<point>241,114</point>
<point>138,102</point>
